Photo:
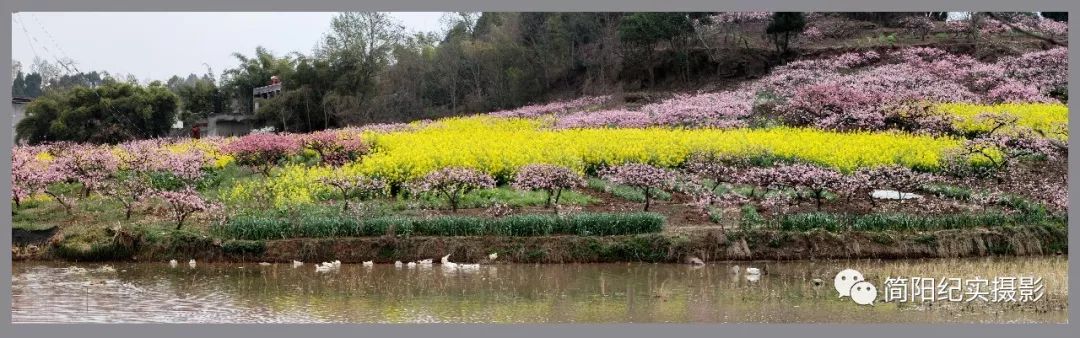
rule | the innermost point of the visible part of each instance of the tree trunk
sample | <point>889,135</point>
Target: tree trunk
<point>647,199</point>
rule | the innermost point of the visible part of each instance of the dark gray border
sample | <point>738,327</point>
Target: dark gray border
<point>532,330</point>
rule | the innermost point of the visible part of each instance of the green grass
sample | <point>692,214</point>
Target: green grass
<point>624,191</point>
<point>276,225</point>
<point>906,222</point>
<point>484,198</point>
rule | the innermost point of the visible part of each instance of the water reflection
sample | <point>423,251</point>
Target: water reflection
<point>788,292</point>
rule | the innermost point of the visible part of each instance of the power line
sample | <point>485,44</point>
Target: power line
<point>28,39</point>
<point>101,100</point>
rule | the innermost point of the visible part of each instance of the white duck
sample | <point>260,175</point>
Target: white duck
<point>410,265</point>
<point>425,262</point>
<point>735,270</point>
<point>469,267</point>
<point>75,269</point>
<point>296,263</point>
<point>173,263</point>
<point>369,263</point>
<point>493,256</point>
<point>447,264</point>
<point>337,264</point>
<point>264,264</point>
<point>323,268</point>
<point>191,263</point>
<point>753,271</point>
<point>397,264</point>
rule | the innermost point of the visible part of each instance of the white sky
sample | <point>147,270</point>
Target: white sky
<point>158,45</point>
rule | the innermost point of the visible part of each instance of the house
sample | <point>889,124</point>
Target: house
<point>235,123</point>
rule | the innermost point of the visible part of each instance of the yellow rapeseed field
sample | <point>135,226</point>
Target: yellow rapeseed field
<point>1051,119</point>
<point>500,146</point>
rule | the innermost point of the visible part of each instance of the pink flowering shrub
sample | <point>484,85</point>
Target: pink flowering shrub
<point>141,155</point>
<point>184,203</point>
<point>359,187</point>
<point>605,118</point>
<point>557,107</point>
<point>335,147</point>
<point>644,177</point>
<point>721,109</point>
<point>262,150</point>
<point>453,182</point>
<point>860,91</point>
<point>1045,70</point>
<point>1052,28</point>
<point>186,166</point>
<point>547,177</point>
<point>383,128</point>
<point>813,33</point>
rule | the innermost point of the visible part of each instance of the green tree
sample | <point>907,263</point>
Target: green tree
<point>32,86</point>
<point>110,113</point>
<point>783,27</point>
<point>251,73</point>
<point>358,49</point>
<point>644,31</point>
<point>18,86</point>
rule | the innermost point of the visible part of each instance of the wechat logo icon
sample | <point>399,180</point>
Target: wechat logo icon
<point>850,283</point>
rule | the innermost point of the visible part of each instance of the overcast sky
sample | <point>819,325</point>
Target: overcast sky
<point>156,46</point>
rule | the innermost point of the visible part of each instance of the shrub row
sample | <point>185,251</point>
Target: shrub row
<point>273,226</point>
<point>903,222</point>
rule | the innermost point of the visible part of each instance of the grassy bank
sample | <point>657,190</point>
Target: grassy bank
<point>705,243</point>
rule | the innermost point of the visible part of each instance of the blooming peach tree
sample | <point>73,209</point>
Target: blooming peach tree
<point>547,177</point>
<point>453,182</point>
<point>644,177</point>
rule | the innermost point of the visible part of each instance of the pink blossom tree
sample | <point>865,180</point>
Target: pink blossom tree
<point>359,187</point>
<point>715,168</point>
<point>31,175</point>
<point>184,203</point>
<point>644,177</point>
<point>24,168</point>
<point>262,150</point>
<point>334,146</point>
<point>88,165</point>
<point>550,178</point>
<point>813,179</point>
<point>453,182</point>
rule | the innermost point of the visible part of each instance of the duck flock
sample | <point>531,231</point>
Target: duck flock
<point>335,265</point>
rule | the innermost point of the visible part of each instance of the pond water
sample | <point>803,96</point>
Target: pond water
<point>785,292</point>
